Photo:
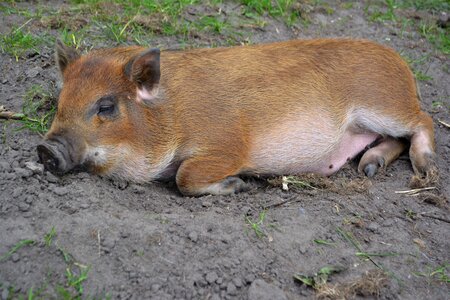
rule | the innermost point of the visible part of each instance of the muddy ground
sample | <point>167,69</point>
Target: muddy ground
<point>121,240</point>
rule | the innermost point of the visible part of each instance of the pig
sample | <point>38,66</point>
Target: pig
<point>203,117</point>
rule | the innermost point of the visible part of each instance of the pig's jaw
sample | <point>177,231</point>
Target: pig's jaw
<point>122,162</point>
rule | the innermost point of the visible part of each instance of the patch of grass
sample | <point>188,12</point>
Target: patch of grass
<point>288,10</point>
<point>435,105</point>
<point>348,236</point>
<point>16,247</point>
<point>320,278</point>
<point>256,225</point>
<point>410,214</point>
<point>38,109</point>
<point>440,273</point>
<point>387,13</point>
<point>437,36</point>
<point>17,42</point>
<point>48,237</point>
<point>72,39</point>
<point>75,276</point>
<point>416,64</point>
<point>431,5</point>
<point>117,32</point>
<point>212,23</point>
<point>261,227</point>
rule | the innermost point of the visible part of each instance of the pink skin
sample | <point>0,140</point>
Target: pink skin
<point>351,145</point>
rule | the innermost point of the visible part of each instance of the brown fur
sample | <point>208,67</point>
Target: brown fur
<point>216,107</point>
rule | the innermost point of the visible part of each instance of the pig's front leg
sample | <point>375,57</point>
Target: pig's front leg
<point>210,175</point>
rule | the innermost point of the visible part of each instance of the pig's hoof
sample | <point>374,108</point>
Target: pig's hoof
<point>227,186</point>
<point>370,170</point>
<point>231,185</point>
<point>426,175</point>
<point>370,166</point>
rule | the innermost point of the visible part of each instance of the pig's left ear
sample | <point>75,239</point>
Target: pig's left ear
<point>144,71</point>
<point>64,55</point>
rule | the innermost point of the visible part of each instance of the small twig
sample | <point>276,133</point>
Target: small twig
<point>276,204</point>
<point>23,25</point>
<point>415,191</point>
<point>444,123</point>
<point>434,217</point>
<point>9,115</point>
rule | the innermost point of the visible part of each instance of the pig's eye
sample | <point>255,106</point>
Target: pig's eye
<point>106,106</point>
<point>105,110</point>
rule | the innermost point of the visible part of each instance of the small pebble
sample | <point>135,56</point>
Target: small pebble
<point>261,290</point>
<point>34,167</point>
<point>237,282</point>
<point>215,297</point>
<point>29,199</point>
<point>15,257</point>
<point>84,205</point>
<point>231,289</point>
<point>249,278</point>
<point>211,277</point>
<point>17,192</point>
<point>23,207</point>
<point>51,178</point>
<point>206,203</point>
<point>5,166</point>
<point>193,236</point>
<point>24,173</point>
<point>60,191</point>
<point>374,227</point>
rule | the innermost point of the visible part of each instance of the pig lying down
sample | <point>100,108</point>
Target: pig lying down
<point>204,116</point>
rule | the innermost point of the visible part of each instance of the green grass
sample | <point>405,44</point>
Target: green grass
<point>256,225</point>
<point>324,242</point>
<point>261,227</point>
<point>72,39</point>
<point>48,237</point>
<point>440,273</point>
<point>417,64</point>
<point>75,275</point>
<point>16,248</point>
<point>212,23</point>
<point>437,36</point>
<point>38,110</point>
<point>431,5</point>
<point>320,278</point>
<point>18,42</point>
<point>386,13</point>
<point>286,9</point>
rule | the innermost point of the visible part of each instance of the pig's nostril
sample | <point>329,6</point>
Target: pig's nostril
<point>48,158</point>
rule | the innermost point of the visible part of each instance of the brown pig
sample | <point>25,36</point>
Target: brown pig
<point>205,116</point>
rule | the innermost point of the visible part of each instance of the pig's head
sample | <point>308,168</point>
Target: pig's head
<point>101,122</point>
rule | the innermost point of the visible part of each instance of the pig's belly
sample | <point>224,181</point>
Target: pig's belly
<point>307,151</point>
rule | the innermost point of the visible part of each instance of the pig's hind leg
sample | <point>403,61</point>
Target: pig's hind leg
<point>421,151</point>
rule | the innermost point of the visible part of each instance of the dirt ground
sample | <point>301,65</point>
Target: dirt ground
<point>81,236</point>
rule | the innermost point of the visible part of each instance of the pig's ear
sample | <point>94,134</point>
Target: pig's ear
<point>64,55</point>
<point>144,71</point>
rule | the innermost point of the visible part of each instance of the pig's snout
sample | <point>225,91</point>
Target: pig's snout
<point>55,157</point>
